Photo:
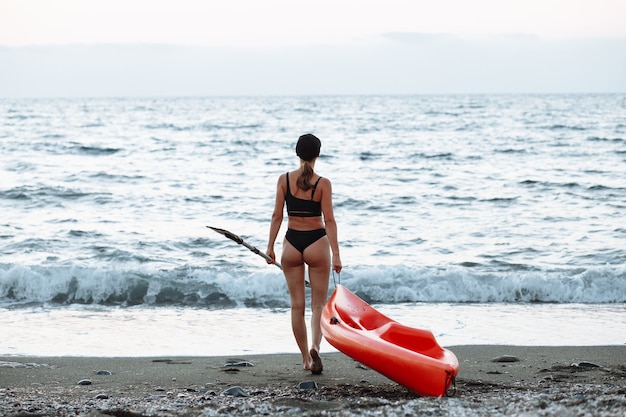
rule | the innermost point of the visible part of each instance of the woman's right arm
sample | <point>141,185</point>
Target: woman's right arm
<point>277,218</point>
<point>331,225</point>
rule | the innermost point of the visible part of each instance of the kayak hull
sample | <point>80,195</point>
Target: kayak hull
<point>409,356</point>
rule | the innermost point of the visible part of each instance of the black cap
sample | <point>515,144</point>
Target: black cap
<point>308,147</point>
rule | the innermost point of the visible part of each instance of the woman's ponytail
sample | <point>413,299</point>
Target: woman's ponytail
<point>304,180</point>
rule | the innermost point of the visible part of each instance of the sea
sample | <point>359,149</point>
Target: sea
<point>486,219</point>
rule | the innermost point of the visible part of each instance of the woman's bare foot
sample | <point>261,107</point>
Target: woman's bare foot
<point>316,367</point>
<point>307,362</point>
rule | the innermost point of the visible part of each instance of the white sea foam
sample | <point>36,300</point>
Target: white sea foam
<point>221,288</point>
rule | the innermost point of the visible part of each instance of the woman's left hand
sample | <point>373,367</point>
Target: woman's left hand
<point>337,263</point>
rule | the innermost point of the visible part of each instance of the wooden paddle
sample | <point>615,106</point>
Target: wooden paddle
<point>240,241</point>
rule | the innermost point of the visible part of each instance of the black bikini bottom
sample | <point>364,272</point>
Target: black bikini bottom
<point>302,239</point>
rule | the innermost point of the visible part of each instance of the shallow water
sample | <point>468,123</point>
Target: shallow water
<point>104,331</point>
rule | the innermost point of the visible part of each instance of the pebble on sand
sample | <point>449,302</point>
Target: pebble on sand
<point>306,385</point>
<point>235,391</point>
<point>505,358</point>
<point>103,372</point>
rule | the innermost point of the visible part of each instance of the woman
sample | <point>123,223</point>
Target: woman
<point>311,237</point>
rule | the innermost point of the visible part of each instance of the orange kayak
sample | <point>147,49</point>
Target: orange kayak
<point>409,356</point>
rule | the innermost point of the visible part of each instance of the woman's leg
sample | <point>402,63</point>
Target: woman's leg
<point>317,256</point>
<point>293,268</point>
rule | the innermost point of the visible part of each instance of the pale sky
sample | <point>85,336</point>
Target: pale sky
<point>280,22</point>
<point>426,37</point>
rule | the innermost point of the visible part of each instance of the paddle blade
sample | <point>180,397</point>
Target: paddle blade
<point>228,234</point>
<point>240,241</point>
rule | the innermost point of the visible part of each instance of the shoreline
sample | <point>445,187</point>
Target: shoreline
<point>493,380</point>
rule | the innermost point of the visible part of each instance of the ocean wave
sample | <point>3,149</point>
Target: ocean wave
<point>499,200</point>
<point>368,156</point>
<point>234,126</point>
<point>600,187</point>
<point>52,136</point>
<point>223,287</point>
<point>604,139</point>
<point>572,185</point>
<point>566,127</point>
<point>95,150</point>
<point>550,184</point>
<point>116,177</point>
<point>511,151</point>
<point>21,117</point>
<point>438,155</point>
<point>27,192</point>
<point>167,126</point>
<point>91,125</point>
<point>207,127</point>
<point>463,285</point>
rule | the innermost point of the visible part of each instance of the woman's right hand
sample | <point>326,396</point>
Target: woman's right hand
<point>272,255</point>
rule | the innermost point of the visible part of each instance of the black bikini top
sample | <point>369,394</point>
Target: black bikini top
<point>299,207</point>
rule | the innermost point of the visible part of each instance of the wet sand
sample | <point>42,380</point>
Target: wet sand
<point>493,380</point>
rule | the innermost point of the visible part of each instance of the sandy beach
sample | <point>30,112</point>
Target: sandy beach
<point>493,380</point>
